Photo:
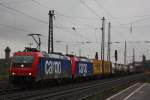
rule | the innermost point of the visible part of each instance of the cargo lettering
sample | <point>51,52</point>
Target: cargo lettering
<point>52,67</point>
<point>82,68</point>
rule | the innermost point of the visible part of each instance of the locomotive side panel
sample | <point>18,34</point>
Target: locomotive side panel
<point>84,69</point>
<point>51,68</point>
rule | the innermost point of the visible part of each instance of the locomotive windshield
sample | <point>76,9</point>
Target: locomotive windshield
<point>25,61</point>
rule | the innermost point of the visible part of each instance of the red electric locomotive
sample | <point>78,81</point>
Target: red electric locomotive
<point>31,66</point>
<point>24,67</point>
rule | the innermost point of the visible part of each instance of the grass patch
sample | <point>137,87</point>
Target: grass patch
<point>4,76</point>
<point>4,66</point>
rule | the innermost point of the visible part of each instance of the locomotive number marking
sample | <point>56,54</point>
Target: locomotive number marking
<point>52,67</point>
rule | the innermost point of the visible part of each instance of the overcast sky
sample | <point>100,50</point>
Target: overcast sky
<point>77,21</point>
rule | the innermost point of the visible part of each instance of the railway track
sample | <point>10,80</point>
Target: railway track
<point>18,93</point>
<point>8,91</point>
<point>80,92</point>
<point>4,84</point>
<point>75,91</point>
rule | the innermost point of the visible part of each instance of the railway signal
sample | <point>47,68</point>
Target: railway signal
<point>116,55</point>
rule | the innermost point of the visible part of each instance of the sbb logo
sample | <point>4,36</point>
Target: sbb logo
<point>83,68</point>
<point>52,67</point>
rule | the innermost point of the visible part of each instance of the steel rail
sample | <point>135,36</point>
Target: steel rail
<point>63,93</point>
<point>64,90</point>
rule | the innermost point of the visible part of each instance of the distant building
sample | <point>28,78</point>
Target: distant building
<point>7,53</point>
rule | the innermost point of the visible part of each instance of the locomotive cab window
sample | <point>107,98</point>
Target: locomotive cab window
<point>23,61</point>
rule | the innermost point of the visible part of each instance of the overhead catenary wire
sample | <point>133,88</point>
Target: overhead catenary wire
<point>137,21</point>
<point>63,15</point>
<point>73,30</point>
<point>23,13</point>
<point>40,4</point>
<point>103,8</point>
<point>106,11</point>
<point>27,15</point>
<point>36,0</point>
<point>93,42</point>
<point>20,12</point>
<point>81,25</point>
<point>38,18</point>
<point>14,27</point>
<point>83,2</point>
<point>13,1</point>
<point>60,14</point>
<point>76,17</point>
<point>130,24</point>
<point>64,27</point>
<point>86,18</point>
<point>59,27</point>
<point>66,16</point>
<point>32,17</point>
<point>109,14</point>
<point>115,18</point>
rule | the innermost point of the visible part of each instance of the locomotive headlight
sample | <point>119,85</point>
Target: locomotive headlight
<point>30,73</point>
<point>13,73</point>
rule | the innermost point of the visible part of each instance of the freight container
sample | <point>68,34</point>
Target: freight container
<point>97,67</point>
<point>107,67</point>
